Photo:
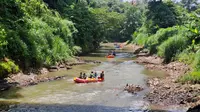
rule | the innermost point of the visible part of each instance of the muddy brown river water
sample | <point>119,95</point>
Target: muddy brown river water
<point>108,96</point>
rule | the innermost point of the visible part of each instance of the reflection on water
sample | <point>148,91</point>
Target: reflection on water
<point>11,94</point>
<point>108,96</point>
<point>159,74</point>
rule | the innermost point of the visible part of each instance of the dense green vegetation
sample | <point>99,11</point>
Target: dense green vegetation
<point>171,30</point>
<point>37,33</point>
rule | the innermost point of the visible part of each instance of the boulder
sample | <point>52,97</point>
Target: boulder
<point>138,50</point>
<point>68,67</point>
<point>43,71</point>
<point>133,88</point>
<point>53,68</point>
<point>62,66</point>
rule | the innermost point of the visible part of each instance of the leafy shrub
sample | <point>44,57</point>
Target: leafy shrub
<point>141,36</point>
<point>60,50</point>
<point>2,37</point>
<point>160,36</point>
<point>7,68</point>
<point>173,46</point>
<point>77,50</point>
<point>196,61</point>
<point>141,39</point>
<point>186,57</point>
<point>3,41</point>
<point>193,77</point>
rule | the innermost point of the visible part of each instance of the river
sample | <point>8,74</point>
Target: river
<point>108,96</point>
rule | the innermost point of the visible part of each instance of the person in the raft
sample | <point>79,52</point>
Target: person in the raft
<point>102,75</point>
<point>95,75</point>
<point>81,75</point>
<point>113,53</point>
<point>84,76</point>
<point>91,75</point>
<point>109,53</point>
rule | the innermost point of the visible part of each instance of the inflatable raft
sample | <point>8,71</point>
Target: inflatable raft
<point>88,80</point>
<point>110,56</point>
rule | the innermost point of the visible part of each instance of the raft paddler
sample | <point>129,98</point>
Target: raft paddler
<point>102,75</point>
<point>91,74</point>
<point>81,75</point>
<point>95,75</point>
<point>84,76</point>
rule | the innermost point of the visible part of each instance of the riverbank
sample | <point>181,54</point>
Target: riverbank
<point>35,76</point>
<point>167,91</point>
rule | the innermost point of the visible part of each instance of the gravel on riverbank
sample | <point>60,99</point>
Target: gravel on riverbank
<point>167,91</point>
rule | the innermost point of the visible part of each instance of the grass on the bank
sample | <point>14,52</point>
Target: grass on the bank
<point>193,59</point>
<point>193,78</point>
<point>186,57</point>
<point>161,35</point>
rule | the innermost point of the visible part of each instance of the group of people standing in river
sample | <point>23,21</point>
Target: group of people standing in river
<point>92,75</point>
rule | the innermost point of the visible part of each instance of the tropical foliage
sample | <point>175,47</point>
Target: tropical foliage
<point>171,30</point>
<point>37,33</point>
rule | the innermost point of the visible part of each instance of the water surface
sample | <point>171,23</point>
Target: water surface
<point>108,96</point>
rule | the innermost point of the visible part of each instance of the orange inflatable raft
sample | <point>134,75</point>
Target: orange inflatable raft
<point>110,56</point>
<point>88,80</point>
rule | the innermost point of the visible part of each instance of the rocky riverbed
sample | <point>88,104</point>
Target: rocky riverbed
<point>168,91</point>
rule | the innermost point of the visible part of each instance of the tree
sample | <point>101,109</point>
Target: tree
<point>132,22</point>
<point>189,4</point>
<point>158,15</point>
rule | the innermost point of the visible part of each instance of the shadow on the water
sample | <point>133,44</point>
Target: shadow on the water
<point>72,108</point>
<point>11,93</point>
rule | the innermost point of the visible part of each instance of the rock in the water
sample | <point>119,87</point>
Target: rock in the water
<point>133,88</point>
<point>138,50</point>
<point>68,67</point>
<point>62,66</point>
<point>43,71</point>
<point>53,68</point>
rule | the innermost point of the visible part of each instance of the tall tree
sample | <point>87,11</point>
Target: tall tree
<point>158,15</point>
<point>189,4</point>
